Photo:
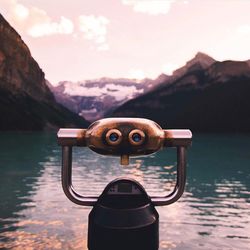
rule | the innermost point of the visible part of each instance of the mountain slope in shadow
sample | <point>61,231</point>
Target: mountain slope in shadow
<point>26,102</point>
<point>215,98</point>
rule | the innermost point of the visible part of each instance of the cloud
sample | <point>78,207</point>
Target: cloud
<point>94,28</point>
<point>20,11</point>
<point>103,47</point>
<point>244,29</point>
<point>151,7</point>
<point>47,27</point>
<point>34,21</point>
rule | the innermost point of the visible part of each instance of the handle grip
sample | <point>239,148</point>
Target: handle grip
<point>77,137</point>
<point>91,200</point>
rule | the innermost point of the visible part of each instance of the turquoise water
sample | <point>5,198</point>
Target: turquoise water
<point>214,212</point>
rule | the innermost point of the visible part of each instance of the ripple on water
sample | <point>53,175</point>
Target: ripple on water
<point>212,214</point>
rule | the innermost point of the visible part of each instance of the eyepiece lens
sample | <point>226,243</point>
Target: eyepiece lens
<point>136,137</point>
<point>113,137</point>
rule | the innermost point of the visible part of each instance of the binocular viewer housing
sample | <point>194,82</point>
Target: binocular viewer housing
<point>124,137</point>
<point>124,215</point>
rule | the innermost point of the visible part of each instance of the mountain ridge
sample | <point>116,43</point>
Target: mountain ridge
<point>211,99</point>
<point>26,102</point>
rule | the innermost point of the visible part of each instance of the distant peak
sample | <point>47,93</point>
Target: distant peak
<point>162,77</point>
<point>203,56</point>
<point>201,59</point>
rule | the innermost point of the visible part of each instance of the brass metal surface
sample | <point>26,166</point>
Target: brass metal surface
<point>124,160</point>
<point>96,136</point>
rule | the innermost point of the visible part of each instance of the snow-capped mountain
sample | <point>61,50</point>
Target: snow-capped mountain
<point>93,98</point>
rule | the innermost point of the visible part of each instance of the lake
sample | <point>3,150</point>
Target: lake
<point>214,212</point>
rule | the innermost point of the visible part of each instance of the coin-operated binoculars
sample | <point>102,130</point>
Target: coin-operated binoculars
<point>123,216</point>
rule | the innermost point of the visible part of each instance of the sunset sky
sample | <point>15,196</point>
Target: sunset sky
<point>79,39</point>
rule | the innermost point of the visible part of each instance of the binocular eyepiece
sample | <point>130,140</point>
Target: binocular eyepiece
<point>124,137</point>
<point>114,137</point>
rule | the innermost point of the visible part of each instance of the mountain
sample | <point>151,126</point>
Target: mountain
<point>204,95</point>
<point>26,102</point>
<point>93,99</point>
<point>200,61</point>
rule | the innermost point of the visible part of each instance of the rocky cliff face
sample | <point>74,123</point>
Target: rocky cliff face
<point>26,102</point>
<point>212,98</point>
<point>19,72</point>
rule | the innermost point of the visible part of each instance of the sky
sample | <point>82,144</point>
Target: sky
<point>79,39</point>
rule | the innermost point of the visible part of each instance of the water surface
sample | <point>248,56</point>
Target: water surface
<point>214,212</point>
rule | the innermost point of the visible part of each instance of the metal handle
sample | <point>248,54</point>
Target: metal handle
<point>90,201</point>
<point>180,181</point>
<point>77,137</point>
<point>67,180</point>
